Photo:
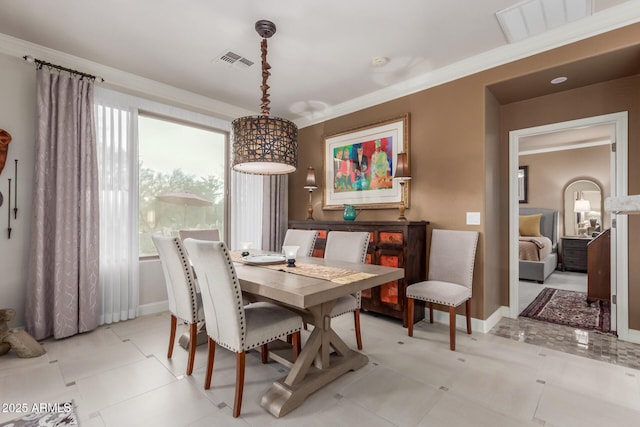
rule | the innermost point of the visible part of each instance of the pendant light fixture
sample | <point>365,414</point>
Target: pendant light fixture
<point>264,144</point>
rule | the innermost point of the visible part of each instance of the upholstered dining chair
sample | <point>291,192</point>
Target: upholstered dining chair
<point>305,239</point>
<point>209,234</point>
<point>229,323</point>
<point>453,254</point>
<point>203,234</point>
<point>350,246</point>
<point>181,292</point>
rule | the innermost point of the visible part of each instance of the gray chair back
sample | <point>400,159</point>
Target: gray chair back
<point>305,239</point>
<point>350,246</point>
<point>453,254</point>
<point>221,293</point>
<point>178,276</point>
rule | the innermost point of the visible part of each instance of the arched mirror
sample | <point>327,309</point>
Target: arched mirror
<point>582,208</point>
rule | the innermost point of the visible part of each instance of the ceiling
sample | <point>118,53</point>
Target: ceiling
<point>580,137</point>
<point>610,66</point>
<point>321,54</point>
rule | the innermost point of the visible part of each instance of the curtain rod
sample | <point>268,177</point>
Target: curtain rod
<point>40,63</point>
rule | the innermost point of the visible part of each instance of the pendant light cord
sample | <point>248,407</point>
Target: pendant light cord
<point>264,105</point>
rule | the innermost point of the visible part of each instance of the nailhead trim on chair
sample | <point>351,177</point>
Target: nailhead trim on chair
<point>313,244</point>
<point>436,301</point>
<point>470,288</point>
<point>186,268</point>
<point>238,293</point>
<point>475,247</point>
<point>240,308</point>
<point>236,350</point>
<point>363,259</point>
<point>365,248</point>
<point>358,295</point>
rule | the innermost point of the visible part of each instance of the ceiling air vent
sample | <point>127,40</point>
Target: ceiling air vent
<point>245,62</point>
<point>532,17</point>
<point>235,60</point>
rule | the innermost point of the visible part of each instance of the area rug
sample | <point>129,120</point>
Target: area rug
<point>570,308</point>
<point>44,415</point>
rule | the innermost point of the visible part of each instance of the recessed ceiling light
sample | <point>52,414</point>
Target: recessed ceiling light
<point>379,61</point>
<point>558,80</point>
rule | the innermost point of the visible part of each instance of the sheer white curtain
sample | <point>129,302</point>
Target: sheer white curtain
<point>117,138</point>
<point>117,162</point>
<point>246,209</point>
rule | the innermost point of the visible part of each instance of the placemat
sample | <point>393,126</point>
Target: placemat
<point>342,276</point>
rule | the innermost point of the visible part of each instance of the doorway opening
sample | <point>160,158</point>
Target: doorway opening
<point>619,273</point>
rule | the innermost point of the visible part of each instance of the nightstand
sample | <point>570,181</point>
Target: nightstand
<point>574,253</point>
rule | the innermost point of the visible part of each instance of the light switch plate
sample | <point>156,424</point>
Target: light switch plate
<point>473,218</point>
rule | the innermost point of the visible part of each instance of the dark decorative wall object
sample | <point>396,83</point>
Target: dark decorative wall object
<point>5,139</point>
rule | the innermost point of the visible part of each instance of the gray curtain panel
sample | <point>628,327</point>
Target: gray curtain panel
<point>274,212</point>
<point>62,281</point>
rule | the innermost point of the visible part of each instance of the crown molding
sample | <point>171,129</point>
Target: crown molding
<point>607,20</point>
<point>118,79</point>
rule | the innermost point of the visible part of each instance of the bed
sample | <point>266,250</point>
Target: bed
<point>538,253</point>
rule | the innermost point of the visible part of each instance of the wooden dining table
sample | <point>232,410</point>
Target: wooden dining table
<point>324,356</point>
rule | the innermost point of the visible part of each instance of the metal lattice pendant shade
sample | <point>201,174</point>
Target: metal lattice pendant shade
<point>264,145</point>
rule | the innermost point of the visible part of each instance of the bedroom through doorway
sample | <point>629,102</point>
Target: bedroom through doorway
<point>554,156</point>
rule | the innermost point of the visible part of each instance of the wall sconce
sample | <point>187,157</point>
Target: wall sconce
<point>402,174</point>
<point>310,185</point>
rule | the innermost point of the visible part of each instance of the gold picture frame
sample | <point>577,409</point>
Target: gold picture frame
<point>359,164</point>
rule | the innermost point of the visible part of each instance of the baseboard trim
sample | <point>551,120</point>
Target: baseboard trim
<point>152,308</point>
<point>494,318</point>
<point>633,336</point>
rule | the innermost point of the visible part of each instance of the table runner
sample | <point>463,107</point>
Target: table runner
<point>342,276</point>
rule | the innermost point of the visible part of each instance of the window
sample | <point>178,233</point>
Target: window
<point>182,174</point>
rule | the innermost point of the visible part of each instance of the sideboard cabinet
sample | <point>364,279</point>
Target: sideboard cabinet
<point>401,244</point>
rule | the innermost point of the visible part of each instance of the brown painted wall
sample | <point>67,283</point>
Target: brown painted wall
<point>495,221</point>
<point>457,167</point>
<point>604,98</point>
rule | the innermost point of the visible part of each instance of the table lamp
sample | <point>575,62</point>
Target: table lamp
<point>581,206</point>
<point>402,174</point>
<point>310,185</point>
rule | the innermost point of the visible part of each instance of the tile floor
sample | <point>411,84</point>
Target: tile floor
<point>591,344</point>
<point>119,376</point>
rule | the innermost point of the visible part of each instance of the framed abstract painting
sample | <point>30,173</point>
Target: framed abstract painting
<point>359,165</point>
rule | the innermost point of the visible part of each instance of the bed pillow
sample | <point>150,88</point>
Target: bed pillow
<point>530,225</point>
